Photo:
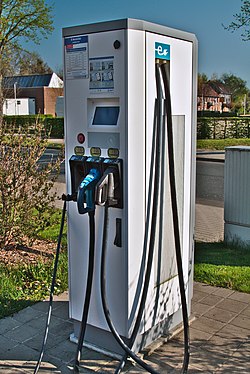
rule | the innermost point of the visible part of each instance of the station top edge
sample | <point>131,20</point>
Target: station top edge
<point>128,23</point>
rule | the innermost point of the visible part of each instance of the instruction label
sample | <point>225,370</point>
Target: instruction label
<point>76,57</point>
<point>101,74</point>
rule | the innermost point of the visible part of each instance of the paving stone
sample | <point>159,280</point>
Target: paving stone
<point>45,367</point>
<point>7,324</point>
<point>164,363</point>
<point>197,371</point>
<point>108,367</point>
<point>232,305</point>
<point>169,354</point>
<point>64,350</point>
<point>223,345</point>
<point>21,334</point>
<point>136,370</point>
<point>240,296</point>
<point>94,361</point>
<point>209,223</point>
<point>208,325</point>
<point>246,312</point>
<point>211,300</point>
<point>62,311</point>
<point>19,353</point>
<point>36,341</point>
<point>64,328</point>
<point>197,337</point>
<point>233,332</point>
<point>203,287</point>
<point>237,363</point>
<point>43,306</point>
<point>223,292</point>
<point>205,360</point>
<point>219,314</point>
<point>198,296</point>
<point>63,367</point>
<point>5,345</point>
<point>27,314</point>
<point>40,323</point>
<point>241,321</point>
<point>198,309</point>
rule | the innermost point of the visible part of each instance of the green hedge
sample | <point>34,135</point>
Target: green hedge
<point>223,128</point>
<point>54,126</point>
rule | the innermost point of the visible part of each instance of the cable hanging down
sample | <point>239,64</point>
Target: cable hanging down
<point>38,364</point>
<point>169,126</point>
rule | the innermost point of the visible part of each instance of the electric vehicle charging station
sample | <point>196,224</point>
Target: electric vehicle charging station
<point>110,93</point>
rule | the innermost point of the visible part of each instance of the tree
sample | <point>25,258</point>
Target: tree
<point>32,63</point>
<point>242,21</point>
<point>236,85</point>
<point>21,19</point>
<point>202,79</point>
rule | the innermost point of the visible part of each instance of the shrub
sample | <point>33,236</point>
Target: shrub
<point>223,128</point>
<point>24,184</point>
<point>54,126</point>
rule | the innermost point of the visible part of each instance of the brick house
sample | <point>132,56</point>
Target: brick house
<point>44,88</point>
<point>214,96</point>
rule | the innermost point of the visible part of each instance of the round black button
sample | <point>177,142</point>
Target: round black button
<point>117,44</point>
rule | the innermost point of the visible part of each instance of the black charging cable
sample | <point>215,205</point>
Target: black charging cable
<point>106,310</point>
<point>156,156</point>
<point>38,364</point>
<point>169,126</point>
<point>85,313</point>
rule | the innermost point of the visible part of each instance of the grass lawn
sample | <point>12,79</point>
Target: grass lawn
<point>223,266</point>
<point>220,144</point>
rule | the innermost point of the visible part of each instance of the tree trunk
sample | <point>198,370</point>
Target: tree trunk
<point>1,91</point>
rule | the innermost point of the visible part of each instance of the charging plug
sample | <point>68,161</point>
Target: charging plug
<point>86,192</point>
<point>105,188</point>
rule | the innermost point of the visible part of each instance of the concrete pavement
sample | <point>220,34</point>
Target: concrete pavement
<point>220,343</point>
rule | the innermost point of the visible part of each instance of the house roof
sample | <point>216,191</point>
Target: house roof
<point>207,90</point>
<point>30,81</point>
<point>220,87</point>
<point>213,89</point>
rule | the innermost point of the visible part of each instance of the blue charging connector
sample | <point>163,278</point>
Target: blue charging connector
<point>86,192</point>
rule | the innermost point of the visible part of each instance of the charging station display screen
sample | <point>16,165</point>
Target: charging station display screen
<point>106,116</point>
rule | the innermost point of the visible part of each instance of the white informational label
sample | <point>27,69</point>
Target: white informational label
<point>101,74</point>
<point>76,57</point>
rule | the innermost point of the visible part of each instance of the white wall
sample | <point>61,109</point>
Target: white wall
<point>19,106</point>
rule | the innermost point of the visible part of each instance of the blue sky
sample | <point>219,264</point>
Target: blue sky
<point>219,50</point>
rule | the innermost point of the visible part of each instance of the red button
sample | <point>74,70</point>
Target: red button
<point>81,138</point>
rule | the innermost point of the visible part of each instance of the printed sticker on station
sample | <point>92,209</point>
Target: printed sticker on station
<point>79,151</point>
<point>162,51</point>
<point>95,151</point>
<point>113,152</point>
